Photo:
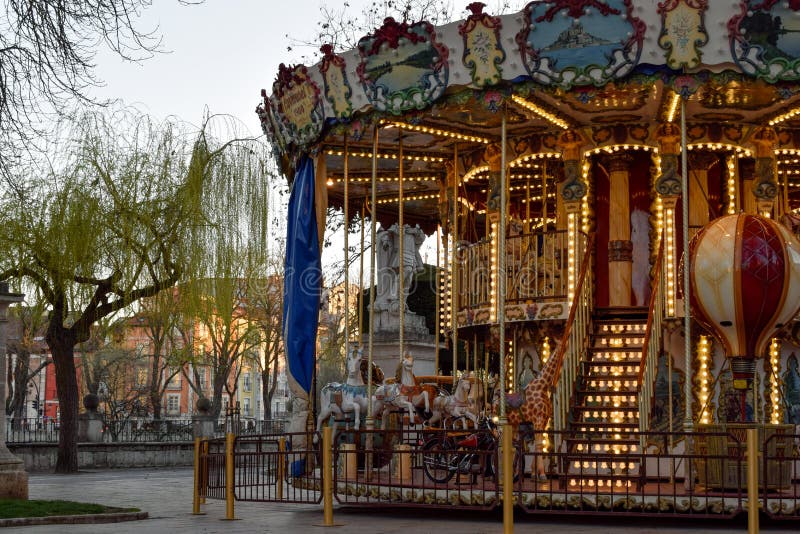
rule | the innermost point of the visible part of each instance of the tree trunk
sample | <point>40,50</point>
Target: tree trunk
<point>266,395</point>
<point>67,389</point>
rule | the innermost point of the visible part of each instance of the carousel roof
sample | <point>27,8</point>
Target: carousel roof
<point>612,70</point>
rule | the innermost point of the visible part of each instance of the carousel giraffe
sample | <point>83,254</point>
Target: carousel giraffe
<point>535,404</point>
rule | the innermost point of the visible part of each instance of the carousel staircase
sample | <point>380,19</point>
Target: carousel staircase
<point>602,445</point>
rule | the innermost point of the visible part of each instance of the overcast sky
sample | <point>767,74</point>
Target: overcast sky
<point>222,53</point>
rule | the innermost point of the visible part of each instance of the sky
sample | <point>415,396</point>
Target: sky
<point>221,54</point>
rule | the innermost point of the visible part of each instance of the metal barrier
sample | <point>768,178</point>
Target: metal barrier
<point>461,469</point>
<point>780,475</point>
<point>278,468</point>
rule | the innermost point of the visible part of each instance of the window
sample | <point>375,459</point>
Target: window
<point>141,377</point>
<point>173,404</point>
<point>247,407</point>
<point>246,382</point>
<point>225,402</point>
<point>174,376</point>
<point>202,379</point>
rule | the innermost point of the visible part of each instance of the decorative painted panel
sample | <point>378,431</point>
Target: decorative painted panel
<point>296,105</point>
<point>483,52</point>
<point>337,87</point>
<point>763,39</point>
<point>580,42</point>
<point>683,31</point>
<point>402,66</point>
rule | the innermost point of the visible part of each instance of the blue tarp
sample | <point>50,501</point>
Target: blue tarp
<point>302,277</point>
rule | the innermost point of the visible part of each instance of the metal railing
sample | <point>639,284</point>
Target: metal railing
<point>438,468</point>
<point>574,341</point>
<point>651,347</point>
<point>45,430</point>
<point>536,269</point>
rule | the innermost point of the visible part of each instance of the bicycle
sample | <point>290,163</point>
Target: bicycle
<point>445,454</point>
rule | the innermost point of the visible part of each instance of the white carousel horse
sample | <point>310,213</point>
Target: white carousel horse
<point>456,405</point>
<point>404,393</point>
<point>337,399</point>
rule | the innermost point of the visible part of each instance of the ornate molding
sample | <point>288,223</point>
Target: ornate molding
<point>620,250</point>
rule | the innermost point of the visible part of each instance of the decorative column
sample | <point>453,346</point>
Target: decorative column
<point>765,187</point>
<point>493,156</point>
<point>572,191</point>
<point>668,187</point>
<point>13,478</point>
<point>699,163</point>
<point>620,247</point>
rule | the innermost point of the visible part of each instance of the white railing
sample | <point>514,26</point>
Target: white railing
<point>574,341</point>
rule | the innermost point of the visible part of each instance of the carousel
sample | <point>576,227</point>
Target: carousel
<point>612,189</point>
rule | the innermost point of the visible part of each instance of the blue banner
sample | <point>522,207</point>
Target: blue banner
<point>302,279</point>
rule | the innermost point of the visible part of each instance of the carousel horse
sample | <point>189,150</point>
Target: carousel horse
<point>351,397</point>
<point>404,393</point>
<point>456,405</point>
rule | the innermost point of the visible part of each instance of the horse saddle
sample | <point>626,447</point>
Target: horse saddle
<point>515,400</point>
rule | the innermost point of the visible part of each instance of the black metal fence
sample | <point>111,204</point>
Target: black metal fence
<point>698,474</point>
<point>45,430</point>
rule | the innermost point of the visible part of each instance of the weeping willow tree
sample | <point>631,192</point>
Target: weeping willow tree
<point>123,209</point>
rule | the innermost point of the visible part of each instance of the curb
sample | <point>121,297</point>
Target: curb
<point>86,519</point>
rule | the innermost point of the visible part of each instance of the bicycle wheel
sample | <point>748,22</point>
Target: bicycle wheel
<point>516,466</point>
<point>439,459</point>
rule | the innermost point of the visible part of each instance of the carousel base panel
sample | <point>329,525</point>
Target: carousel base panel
<point>549,496</point>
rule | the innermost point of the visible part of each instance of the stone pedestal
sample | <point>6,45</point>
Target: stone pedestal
<point>416,340</point>
<point>203,426</point>
<point>13,478</point>
<point>90,428</point>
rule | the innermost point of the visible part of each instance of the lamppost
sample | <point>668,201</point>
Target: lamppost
<point>13,478</point>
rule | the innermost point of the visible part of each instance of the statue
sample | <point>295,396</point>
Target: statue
<point>388,266</point>
<point>385,252</point>
<point>411,261</point>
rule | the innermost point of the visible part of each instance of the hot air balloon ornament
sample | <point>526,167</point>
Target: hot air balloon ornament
<point>745,286</point>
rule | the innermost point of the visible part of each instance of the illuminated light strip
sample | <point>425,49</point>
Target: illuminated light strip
<point>406,155</point>
<point>609,149</point>
<point>533,108</point>
<point>673,107</point>
<point>585,168</point>
<point>776,407</point>
<point>785,116</point>
<point>407,198</point>
<point>669,263</point>
<point>389,178</point>
<point>788,152</point>
<point>539,155</point>
<point>572,232</point>
<point>538,198</point>
<point>721,146</point>
<point>444,283</point>
<point>437,131</point>
<point>731,164</point>
<point>473,172</point>
<point>704,378</point>
<point>493,275</point>
<point>510,366</point>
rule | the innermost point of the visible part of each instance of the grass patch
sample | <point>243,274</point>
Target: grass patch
<point>24,508</point>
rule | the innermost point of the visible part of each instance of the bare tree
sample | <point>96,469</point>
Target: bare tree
<point>47,59</point>
<point>265,308</point>
<point>28,323</point>
<point>160,316</point>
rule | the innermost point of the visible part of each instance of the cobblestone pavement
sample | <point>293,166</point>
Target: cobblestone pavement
<point>166,494</point>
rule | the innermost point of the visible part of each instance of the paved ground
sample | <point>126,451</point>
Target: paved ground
<point>166,495</point>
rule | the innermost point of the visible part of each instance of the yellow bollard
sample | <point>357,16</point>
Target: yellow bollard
<point>507,450</point>
<point>229,482</point>
<point>327,476</point>
<point>752,481</point>
<point>197,479</point>
<point>281,467</point>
